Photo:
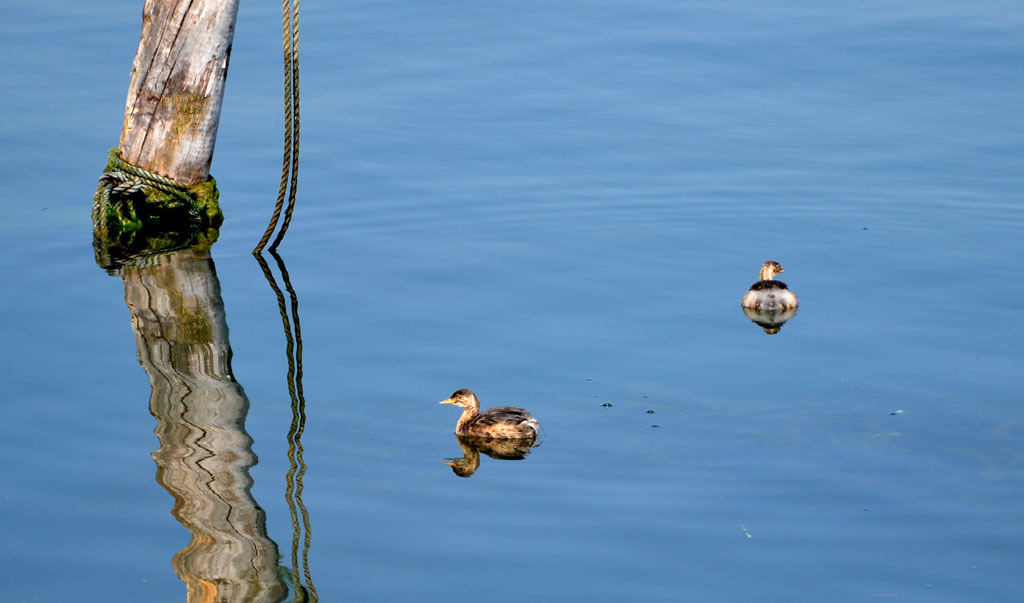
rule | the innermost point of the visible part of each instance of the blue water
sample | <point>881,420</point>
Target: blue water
<point>558,205</point>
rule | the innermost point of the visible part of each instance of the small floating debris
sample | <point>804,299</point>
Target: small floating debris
<point>746,532</point>
<point>896,412</point>
<point>650,412</point>
<point>655,425</point>
<point>607,405</point>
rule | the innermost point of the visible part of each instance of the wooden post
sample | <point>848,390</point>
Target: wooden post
<point>178,76</point>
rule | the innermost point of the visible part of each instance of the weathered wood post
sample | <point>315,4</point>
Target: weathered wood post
<point>156,193</point>
<point>177,87</point>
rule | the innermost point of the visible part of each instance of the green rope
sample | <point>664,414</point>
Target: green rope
<point>128,183</point>
<point>117,183</point>
<point>146,178</point>
<point>290,161</point>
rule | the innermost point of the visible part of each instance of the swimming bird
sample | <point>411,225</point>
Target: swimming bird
<point>506,422</point>
<point>768,293</point>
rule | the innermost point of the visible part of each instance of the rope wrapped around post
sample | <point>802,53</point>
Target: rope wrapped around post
<point>125,178</point>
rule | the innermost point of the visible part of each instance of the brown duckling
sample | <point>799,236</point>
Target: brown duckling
<point>506,422</point>
<point>768,293</point>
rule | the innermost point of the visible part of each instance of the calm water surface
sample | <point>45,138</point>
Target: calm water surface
<point>558,205</point>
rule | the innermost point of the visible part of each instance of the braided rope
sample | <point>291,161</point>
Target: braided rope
<point>119,183</point>
<point>150,179</point>
<point>290,159</point>
<point>295,111</point>
<point>126,179</point>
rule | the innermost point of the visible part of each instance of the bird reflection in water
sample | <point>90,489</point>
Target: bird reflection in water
<point>502,449</point>
<point>769,320</point>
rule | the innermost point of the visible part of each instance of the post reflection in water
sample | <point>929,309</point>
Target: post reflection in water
<point>496,448</point>
<point>205,453</point>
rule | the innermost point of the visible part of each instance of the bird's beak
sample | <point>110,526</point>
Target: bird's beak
<point>449,463</point>
<point>448,401</point>
<point>781,270</point>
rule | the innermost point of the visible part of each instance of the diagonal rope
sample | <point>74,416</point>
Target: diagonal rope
<point>290,159</point>
<point>295,111</point>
